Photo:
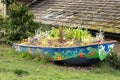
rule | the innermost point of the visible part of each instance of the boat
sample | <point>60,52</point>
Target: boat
<point>76,55</point>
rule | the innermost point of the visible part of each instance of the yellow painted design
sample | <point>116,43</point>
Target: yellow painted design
<point>59,58</point>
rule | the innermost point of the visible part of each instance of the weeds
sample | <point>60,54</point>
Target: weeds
<point>113,60</point>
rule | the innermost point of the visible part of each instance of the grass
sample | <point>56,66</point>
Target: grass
<point>14,67</point>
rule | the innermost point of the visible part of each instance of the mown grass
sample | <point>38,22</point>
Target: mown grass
<point>14,67</point>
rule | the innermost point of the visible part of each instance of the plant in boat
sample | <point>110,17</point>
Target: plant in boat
<point>60,37</point>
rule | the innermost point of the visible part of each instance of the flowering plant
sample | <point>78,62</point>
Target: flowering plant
<point>61,37</point>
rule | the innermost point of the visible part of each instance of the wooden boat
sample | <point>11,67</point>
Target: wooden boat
<point>79,55</point>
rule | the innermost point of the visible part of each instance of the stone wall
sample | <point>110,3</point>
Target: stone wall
<point>2,9</point>
<point>94,14</point>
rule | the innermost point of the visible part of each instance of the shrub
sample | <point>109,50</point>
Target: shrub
<point>19,24</point>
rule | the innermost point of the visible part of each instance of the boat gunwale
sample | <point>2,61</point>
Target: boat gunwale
<point>94,44</point>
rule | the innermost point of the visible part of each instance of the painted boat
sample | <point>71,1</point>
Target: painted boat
<point>79,55</point>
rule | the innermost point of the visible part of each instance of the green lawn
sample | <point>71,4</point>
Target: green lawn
<point>14,67</point>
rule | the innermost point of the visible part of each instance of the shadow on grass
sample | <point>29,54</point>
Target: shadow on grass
<point>105,68</point>
<point>111,65</point>
<point>20,72</point>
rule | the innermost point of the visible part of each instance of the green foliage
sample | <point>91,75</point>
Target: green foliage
<point>70,33</point>
<point>73,33</point>
<point>2,31</point>
<point>113,60</point>
<point>8,1</point>
<point>54,32</point>
<point>1,22</point>
<point>42,27</point>
<point>25,55</point>
<point>19,24</point>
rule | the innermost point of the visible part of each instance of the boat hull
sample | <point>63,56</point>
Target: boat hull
<point>81,54</point>
<point>78,62</point>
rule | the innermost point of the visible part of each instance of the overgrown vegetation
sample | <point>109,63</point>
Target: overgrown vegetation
<point>113,60</point>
